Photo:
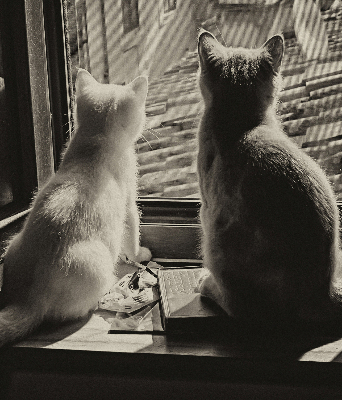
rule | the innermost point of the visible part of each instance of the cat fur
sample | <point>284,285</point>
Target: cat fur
<point>65,257</point>
<point>270,221</point>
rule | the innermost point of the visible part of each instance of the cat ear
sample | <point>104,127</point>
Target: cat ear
<point>83,80</point>
<point>207,48</point>
<point>275,48</point>
<point>140,87</point>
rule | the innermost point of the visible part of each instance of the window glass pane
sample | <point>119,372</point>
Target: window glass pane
<point>6,160</point>
<point>164,47</point>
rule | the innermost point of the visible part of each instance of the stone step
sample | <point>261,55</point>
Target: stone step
<point>172,78</point>
<point>322,70</point>
<point>320,83</point>
<point>299,140</point>
<point>293,81</point>
<point>158,181</point>
<point>299,126</point>
<point>292,69</point>
<point>335,46</point>
<point>324,150</point>
<point>292,105</point>
<point>332,115</point>
<point>336,181</point>
<point>326,91</point>
<point>288,117</point>
<point>293,94</point>
<point>156,109</point>
<point>178,161</point>
<point>332,165</point>
<point>172,81</point>
<point>314,107</point>
<point>184,123</point>
<point>187,98</point>
<point>292,59</point>
<point>156,133</point>
<point>185,190</point>
<point>157,98</point>
<point>166,141</point>
<point>323,133</point>
<point>188,123</point>
<point>195,195</point>
<point>161,154</point>
<point>188,112</point>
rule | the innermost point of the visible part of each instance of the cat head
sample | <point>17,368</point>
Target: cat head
<point>109,109</point>
<point>237,76</point>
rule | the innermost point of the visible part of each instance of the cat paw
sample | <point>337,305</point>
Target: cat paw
<point>144,254</point>
<point>201,280</point>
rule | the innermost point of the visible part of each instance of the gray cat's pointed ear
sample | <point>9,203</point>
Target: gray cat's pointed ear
<point>140,87</point>
<point>207,44</point>
<point>83,79</point>
<point>275,48</point>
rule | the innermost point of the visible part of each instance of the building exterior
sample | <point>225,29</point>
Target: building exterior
<point>122,39</point>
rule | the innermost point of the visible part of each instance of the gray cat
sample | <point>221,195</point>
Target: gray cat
<point>269,215</point>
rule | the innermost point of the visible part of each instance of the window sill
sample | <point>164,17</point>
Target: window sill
<point>85,349</point>
<point>158,363</point>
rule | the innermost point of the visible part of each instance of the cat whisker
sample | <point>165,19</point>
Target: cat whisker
<point>147,141</point>
<point>70,132</point>
<point>151,130</point>
<point>221,35</point>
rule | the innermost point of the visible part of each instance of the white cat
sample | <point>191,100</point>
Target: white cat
<point>65,257</point>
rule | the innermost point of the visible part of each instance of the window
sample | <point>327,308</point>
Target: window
<point>310,102</point>
<point>170,5</point>
<point>130,15</point>
<point>35,98</point>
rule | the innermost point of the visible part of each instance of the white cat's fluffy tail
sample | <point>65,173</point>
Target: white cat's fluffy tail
<point>16,322</point>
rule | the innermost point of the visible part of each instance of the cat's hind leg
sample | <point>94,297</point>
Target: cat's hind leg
<point>208,287</point>
<point>84,275</point>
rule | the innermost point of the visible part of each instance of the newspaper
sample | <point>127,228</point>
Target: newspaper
<point>133,301</point>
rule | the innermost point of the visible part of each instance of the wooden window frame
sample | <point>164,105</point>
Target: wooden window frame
<point>37,89</point>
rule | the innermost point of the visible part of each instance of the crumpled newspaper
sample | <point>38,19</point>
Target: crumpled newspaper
<point>132,292</point>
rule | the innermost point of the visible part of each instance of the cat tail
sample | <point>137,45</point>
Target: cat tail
<point>16,322</point>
